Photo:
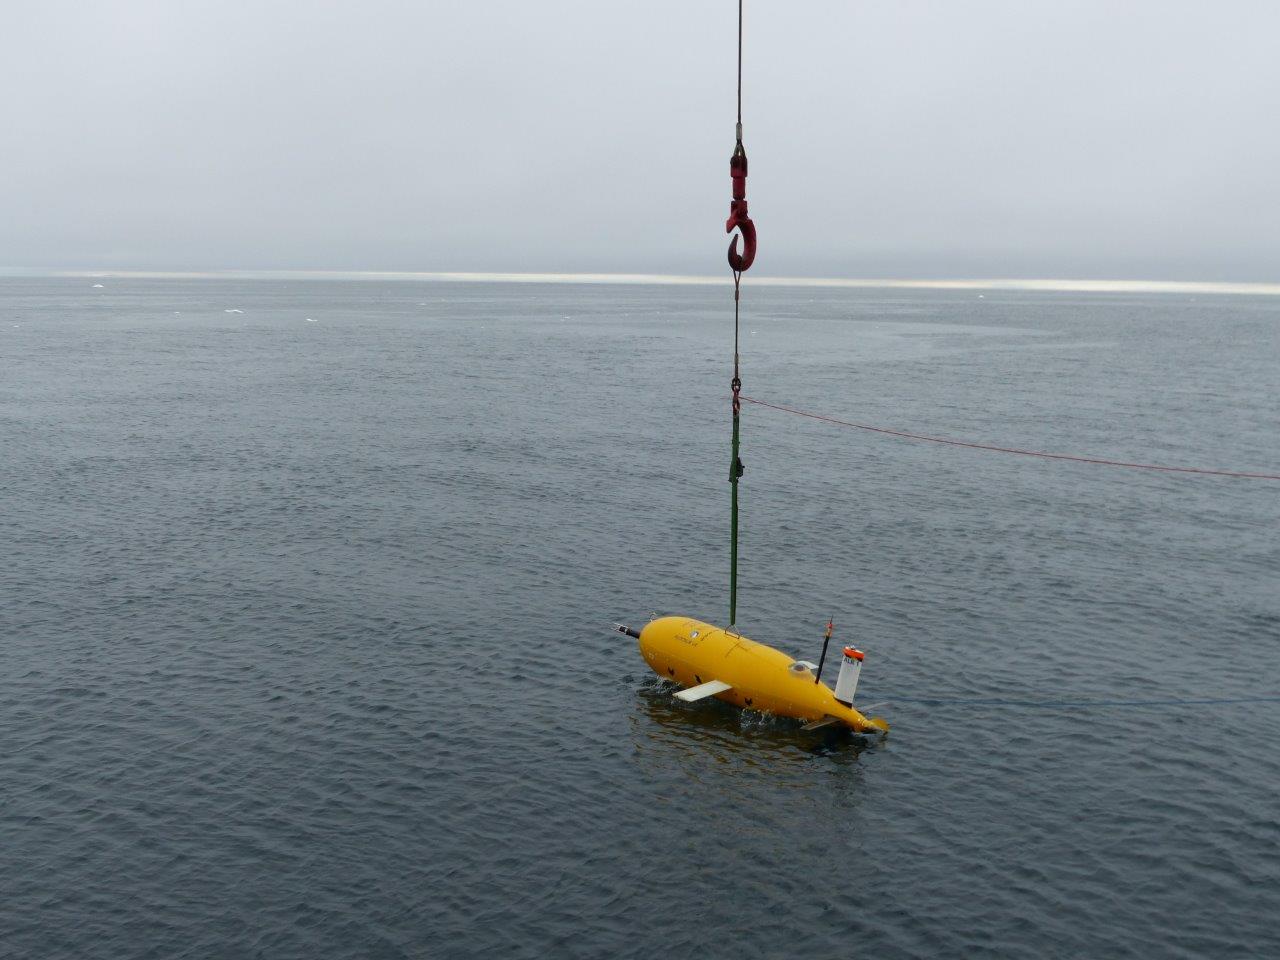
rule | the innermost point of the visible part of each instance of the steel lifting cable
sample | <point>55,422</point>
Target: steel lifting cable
<point>738,263</point>
<point>1099,461</point>
<point>739,69</point>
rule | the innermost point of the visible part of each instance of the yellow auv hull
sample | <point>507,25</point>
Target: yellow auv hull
<point>691,653</point>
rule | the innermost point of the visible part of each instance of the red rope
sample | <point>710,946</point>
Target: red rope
<point>1025,453</point>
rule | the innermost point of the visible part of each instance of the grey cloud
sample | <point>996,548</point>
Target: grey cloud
<point>891,139</point>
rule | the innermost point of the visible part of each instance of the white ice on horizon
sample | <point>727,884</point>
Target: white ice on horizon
<point>97,286</point>
<point>309,320</point>
<point>233,310</point>
<point>1043,284</point>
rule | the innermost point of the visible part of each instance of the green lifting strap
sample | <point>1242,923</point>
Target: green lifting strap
<point>735,471</point>
<point>735,465</point>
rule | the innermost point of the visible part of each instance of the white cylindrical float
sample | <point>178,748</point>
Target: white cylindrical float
<point>847,681</point>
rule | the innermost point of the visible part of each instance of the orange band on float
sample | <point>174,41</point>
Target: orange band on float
<point>854,652</point>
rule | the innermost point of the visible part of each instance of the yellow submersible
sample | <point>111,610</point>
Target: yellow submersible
<point>711,662</point>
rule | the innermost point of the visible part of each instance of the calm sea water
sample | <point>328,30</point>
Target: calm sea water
<point>305,624</point>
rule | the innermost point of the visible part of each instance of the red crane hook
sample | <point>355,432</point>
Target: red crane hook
<point>740,262</point>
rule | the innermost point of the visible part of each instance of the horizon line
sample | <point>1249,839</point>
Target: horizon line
<point>1064,285</point>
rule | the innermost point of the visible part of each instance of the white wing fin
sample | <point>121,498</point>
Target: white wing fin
<point>822,723</point>
<point>703,690</point>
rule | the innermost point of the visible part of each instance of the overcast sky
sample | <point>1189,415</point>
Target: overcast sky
<point>903,138</point>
